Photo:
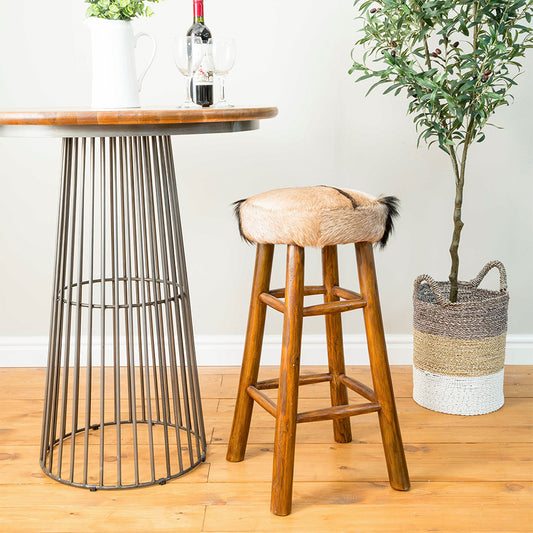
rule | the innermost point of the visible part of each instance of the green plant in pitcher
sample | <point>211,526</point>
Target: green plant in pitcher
<point>456,60</point>
<point>119,9</point>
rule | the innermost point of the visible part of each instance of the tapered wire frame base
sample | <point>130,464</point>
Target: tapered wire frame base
<point>122,401</point>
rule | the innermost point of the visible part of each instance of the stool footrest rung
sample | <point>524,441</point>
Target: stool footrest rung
<point>346,294</point>
<point>358,387</point>
<point>329,413</point>
<point>263,400</point>
<point>353,301</point>
<point>309,379</point>
<point>339,411</point>
<point>309,290</point>
<point>334,307</point>
<point>272,301</point>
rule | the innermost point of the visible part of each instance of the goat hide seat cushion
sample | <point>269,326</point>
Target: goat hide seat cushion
<point>316,216</point>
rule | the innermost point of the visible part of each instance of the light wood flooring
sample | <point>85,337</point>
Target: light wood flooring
<point>468,473</point>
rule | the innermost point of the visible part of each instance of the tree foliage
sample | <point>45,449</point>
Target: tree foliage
<point>119,9</point>
<point>456,60</point>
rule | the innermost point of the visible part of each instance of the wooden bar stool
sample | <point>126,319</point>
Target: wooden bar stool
<point>321,217</point>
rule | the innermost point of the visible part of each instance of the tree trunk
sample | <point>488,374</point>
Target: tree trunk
<point>454,248</point>
<point>457,222</point>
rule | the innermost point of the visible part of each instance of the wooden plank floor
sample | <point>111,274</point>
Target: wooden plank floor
<point>467,473</point>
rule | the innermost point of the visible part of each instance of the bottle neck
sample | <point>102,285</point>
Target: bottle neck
<point>198,10</point>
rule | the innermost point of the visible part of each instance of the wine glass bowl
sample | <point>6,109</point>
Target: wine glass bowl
<point>188,55</point>
<point>222,53</point>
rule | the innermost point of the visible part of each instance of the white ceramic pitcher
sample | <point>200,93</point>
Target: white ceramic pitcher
<point>114,80</point>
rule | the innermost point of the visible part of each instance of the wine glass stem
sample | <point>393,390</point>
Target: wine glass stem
<point>223,89</point>
<point>188,99</point>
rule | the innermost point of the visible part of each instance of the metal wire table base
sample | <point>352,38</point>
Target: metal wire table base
<point>122,400</point>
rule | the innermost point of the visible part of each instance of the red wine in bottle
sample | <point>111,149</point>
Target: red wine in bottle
<point>202,82</point>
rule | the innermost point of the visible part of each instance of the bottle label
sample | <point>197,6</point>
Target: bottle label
<point>198,7</point>
<point>204,75</point>
<point>203,78</point>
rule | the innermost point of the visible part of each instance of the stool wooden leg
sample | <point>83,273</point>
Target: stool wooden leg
<point>381,377</point>
<point>252,354</point>
<point>339,395</point>
<point>284,440</point>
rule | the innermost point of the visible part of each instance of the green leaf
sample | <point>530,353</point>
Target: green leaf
<point>380,82</point>
<point>119,9</point>
<point>364,77</point>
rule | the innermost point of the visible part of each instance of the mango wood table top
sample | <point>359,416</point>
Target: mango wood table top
<point>85,121</point>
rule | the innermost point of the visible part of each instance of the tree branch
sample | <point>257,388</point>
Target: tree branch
<point>476,28</point>
<point>426,47</point>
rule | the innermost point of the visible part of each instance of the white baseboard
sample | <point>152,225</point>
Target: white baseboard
<point>226,350</point>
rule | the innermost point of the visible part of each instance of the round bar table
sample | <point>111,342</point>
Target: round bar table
<point>122,404</point>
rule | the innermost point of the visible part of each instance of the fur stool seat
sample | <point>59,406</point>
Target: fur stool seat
<point>316,216</point>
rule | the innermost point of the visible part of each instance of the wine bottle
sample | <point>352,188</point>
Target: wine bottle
<point>202,82</point>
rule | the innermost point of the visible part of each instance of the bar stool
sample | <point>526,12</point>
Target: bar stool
<point>322,217</point>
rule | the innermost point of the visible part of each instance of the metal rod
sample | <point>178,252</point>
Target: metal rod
<point>85,305</point>
<point>127,300</point>
<point>185,303</point>
<point>129,331</point>
<point>188,392</point>
<point>152,212</point>
<point>77,354</point>
<point>155,271</point>
<point>145,251</point>
<point>192,363</point>
<point>116,298</point>
<point>102,297</point>
<point>61,274</point>
<point>51,366</point>
<point>179,315</point>
<point>173,261</point>
<point>159,169</point>
<point>142,235</point>
<point>177,290</point>
<point>89,370</point>
<point>134,168</point>
<point>66,364</point>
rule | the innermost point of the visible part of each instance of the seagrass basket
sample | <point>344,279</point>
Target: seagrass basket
<point>459,348</point>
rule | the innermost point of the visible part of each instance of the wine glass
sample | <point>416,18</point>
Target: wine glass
<point>222,56</point>
<point>188,55</point>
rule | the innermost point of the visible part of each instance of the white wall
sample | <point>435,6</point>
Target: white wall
<point>294,55</point>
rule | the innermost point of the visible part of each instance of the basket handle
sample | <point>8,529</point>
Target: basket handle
<point>434,287</point>
<point>489,266</point>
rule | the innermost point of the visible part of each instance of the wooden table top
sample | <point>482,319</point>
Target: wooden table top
<point>85,116</point>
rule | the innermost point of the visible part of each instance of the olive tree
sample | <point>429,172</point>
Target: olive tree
<point>456,60</point>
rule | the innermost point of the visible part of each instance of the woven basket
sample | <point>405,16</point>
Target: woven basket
<point>459,348</point>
